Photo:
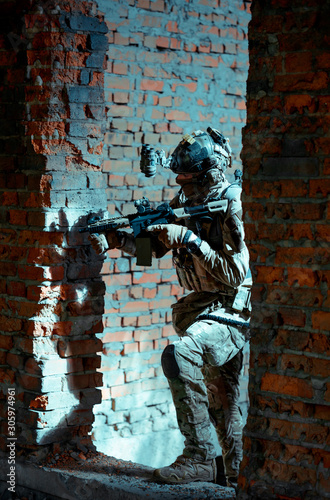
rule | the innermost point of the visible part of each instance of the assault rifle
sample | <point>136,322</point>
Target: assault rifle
<point>145,217</point>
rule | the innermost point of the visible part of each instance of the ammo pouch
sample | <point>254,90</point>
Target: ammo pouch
<point>185,271</point>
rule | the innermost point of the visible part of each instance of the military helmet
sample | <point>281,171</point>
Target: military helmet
<point>193,153</point>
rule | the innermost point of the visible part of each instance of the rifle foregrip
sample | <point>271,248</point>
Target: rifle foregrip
<point>101,228</point>
<point>105,225</point>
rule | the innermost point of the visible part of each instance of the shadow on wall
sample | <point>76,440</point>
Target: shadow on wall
<point>61,378</point>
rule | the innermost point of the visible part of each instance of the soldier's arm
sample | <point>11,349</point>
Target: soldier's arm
<point>229,265</point>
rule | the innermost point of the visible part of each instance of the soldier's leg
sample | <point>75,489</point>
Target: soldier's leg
<point>223,387</point>
<point>182,364</point>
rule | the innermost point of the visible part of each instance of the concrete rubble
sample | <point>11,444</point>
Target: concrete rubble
<point>98,477</point>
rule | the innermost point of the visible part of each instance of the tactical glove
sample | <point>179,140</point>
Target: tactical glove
<point>171,235</point>
<point>103,242</point>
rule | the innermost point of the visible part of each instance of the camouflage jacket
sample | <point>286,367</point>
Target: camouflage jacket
<point>222,265</point>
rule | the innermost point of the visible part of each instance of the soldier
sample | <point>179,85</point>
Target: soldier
<point>212,263</point>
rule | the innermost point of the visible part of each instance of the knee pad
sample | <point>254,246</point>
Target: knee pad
<point>169,363</point>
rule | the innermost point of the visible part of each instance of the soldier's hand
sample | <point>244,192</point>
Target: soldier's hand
<point>99,243</point>
<point>103,242</point>
<point>170,234</point>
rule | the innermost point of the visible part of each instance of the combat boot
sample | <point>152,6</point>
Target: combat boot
<point>186,470</point>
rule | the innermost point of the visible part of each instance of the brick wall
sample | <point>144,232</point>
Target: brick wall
<point>52,108</point>
<point>286,165</point>
<point>172,67</point>
<point>80,95</point>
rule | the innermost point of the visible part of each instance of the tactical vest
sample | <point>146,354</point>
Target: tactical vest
<point>191,274</point>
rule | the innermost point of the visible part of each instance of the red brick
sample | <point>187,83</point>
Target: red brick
<point>312,366</point>
<point>118,280</point>
<point>117,82</point>
<point>120,40</point>
<point>146,335</point>
<point>12,253</point>
<point>120,68</point>
<point>322,144</point>
<point>301,256</point>
<point>121,97</point>
<point>162,303</point>
<point>302,277</point>
<point>121,336</point>
<point>303,211</point>
<point>79,347</point>
<point>176,115</point>
<point>322,232</point>
<point>266,274</point>
<point>321,320</point>
<point>322,412</point>
<point>254,210</point>
<point>86,308</point>
<point>167,331</point>
<point>40,238</point>
<point>288,473</point>
<point>298,103</point>
<point>134,306</point>
<point>319,187</point>
<point>259,253</point>
<point>154,384</point>
<point>131,348</point>
<point>163,42</point>
<point>18,217</point>
<point>7,377</point>
<point>270,231</point>
<point>293,317</point>
<point>301,81</point>
<point>152,85</point>
<point>172,26</point>
<point>160,344</point>
<point>295,408</point>
<point>84,381</point>
<point>293,188</point>
<point>146,278</point>
<point>6,342</point>
<point>143,320</point>
<point>126,389</point>
<point>10,324</point>
<point>8,269</point>
<point>9,199</point>
<point>286,385</point>
<point>298,231</point>
<point>44,256</point>
<point>298,62</point>
<point>8,236</point>
<point>191,87</point>
<point>146,346</point>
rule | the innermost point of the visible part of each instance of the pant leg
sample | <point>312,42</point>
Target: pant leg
<point>223,387</point>
<point>203,343</point>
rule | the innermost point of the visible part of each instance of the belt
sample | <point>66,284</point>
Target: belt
<point>224,321</point>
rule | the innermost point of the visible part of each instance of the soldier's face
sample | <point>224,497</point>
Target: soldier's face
<point>189,184</point>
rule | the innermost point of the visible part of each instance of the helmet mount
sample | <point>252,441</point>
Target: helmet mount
<point>197,153</point>
<point>201,151</point>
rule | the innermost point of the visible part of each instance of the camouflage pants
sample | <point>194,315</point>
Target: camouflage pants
<point>203,369</point>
